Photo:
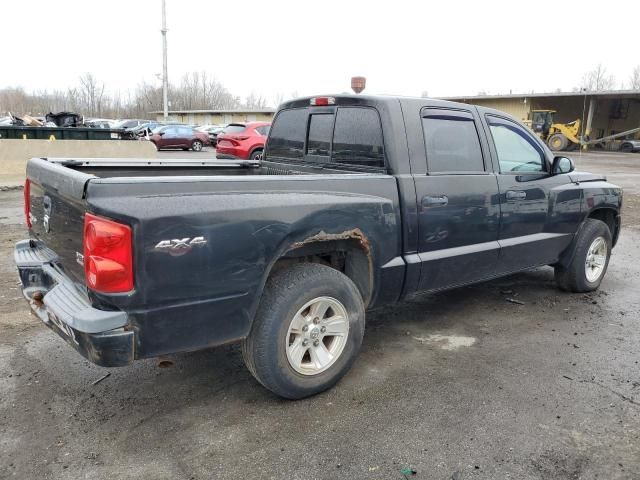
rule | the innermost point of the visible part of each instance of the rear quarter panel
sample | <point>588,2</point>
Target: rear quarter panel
<point>209,295</point>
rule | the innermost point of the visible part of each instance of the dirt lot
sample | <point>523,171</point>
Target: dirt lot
<point>458,385</point>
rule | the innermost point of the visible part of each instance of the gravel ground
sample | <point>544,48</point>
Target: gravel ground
<point>458,385</point>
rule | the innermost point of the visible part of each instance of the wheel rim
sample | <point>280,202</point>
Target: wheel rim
<point>596,259</point>
<point>317,335</point>
<point>197,146</point>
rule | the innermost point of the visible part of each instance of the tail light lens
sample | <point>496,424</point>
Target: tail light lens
<point>108,255</point>
<point>27,202</point>
<point>321,101</point>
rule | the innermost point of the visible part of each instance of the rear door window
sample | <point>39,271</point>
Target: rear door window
<point>452,142</point>
<point>357,138</point>
<point>288,134</point>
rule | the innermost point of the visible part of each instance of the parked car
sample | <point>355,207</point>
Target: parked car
<point>358,202</point>
<point>629,146</point>
<point>179,136</point>
<point>124,124</point>
<point>98,123</point>
<point>142,130</point>
<point>242,140</point>
<point>212,131</point>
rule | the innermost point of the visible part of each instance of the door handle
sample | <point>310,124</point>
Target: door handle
<point>516,195</point>
<point>434,201</point>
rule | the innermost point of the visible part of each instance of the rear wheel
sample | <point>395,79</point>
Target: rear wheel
<point>558,142</point>
<point>196,146</point>
<point>307,332</point>
<point>590,259</point>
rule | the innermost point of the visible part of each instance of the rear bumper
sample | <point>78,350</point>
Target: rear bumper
<point>231,152</point>
<point>100,336</point>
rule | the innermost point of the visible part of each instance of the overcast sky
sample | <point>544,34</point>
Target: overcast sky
<point>275,47</point>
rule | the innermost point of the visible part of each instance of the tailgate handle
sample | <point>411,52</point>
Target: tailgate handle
<point>516,195</point>
<point>434,201</point>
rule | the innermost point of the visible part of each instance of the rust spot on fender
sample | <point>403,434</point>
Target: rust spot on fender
<point>322,236</point>
<point>354,234</point>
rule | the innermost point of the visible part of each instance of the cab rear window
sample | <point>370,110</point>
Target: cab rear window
<point>341,136</point>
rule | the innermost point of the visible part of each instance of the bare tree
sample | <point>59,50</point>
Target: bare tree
<point>196,90</point>
<point>634,79</point>
<point>281,97</point>
<point>278,99</point>
<point>91,94</point>
<point>255,102</point>
<point>598,79</point>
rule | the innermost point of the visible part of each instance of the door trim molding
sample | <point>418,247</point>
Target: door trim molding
<point>458,251</point>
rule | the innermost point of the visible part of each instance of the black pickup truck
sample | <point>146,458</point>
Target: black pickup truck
<point>358,202</point>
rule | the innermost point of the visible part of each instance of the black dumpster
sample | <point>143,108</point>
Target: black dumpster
<point>60,133</point>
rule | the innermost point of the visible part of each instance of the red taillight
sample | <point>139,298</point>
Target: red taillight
<point>236,137</point>
<point>108,256</point>
<point>320,101</point>
<point>27,202</point>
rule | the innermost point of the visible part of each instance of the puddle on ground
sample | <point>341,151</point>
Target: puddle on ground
<point>447,342</point>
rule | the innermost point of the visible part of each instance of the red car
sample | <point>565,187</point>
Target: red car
<point>243,140</point>
<point>179,136</point>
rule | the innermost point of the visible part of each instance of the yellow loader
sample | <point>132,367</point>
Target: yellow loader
<point>559,136</point>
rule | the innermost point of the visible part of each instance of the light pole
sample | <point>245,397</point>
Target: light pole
<point>165,79</point>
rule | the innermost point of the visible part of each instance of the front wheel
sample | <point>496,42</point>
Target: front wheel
<point>307,332</point>
<point>558,142</point>
<point>590,259</point>
<point>256,155</point>
<point>196,146</point>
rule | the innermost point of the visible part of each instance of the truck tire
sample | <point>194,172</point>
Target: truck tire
<point>558,142</point>
<point>590,259</point>
<point>307,331</point>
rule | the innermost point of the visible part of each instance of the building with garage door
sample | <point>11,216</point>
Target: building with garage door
<point>217,117</point>
<point>601,114</point>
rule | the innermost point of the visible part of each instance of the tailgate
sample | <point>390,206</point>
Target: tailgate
<point>57,206</point>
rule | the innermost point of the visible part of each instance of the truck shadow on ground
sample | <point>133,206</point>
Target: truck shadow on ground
<point>214,375</point>
<point>220,372</point>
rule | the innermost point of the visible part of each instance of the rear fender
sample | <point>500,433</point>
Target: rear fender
<point>310,238</point>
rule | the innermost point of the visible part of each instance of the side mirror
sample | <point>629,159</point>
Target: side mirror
<point>562,165</point>
<point>161,133</point>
